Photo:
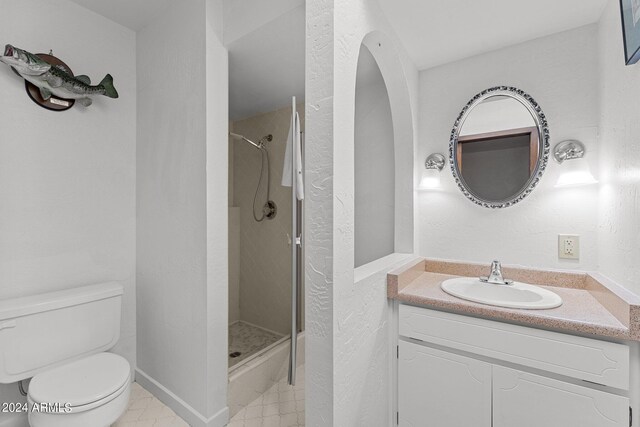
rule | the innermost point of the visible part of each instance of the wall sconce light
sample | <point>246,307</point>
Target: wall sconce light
<point>577,171</point>
<point>431,174</point>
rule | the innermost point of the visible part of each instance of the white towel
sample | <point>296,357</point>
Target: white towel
<point>294,138</point>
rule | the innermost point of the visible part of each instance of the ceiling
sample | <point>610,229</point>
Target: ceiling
<point>266,41</point>
<point>437,32</point>
<point>242,17</point>
<point>266,66</point>
<point>133,14</point>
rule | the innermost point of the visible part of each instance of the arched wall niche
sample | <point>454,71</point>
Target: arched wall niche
<point>383,51</point>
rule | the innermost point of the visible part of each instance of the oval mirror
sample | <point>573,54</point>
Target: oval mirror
<point>499,147</point>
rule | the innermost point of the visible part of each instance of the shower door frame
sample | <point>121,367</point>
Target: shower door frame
<point>297,247</point>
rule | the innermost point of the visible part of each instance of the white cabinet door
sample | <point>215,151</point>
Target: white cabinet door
<point>439,389</point>
<point>526,400</point>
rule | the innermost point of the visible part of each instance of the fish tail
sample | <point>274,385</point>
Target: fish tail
<point>107,83</point>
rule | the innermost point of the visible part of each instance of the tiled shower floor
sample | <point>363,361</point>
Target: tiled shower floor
<point>247,339</point>
<point>280,406</point>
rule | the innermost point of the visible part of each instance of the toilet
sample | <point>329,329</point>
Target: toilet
<point>60,341</point>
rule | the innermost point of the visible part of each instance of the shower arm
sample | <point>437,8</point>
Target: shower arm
<point>235,135</point>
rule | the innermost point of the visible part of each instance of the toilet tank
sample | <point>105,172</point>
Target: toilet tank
<point>42,331</point>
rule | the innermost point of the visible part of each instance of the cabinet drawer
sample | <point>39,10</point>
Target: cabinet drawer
<point>587,359</point>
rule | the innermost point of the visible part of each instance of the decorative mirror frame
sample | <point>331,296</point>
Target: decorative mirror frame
<point>543,144</point>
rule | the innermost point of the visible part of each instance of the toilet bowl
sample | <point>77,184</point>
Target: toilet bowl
<point>59,340</point>
<point>89,392</point>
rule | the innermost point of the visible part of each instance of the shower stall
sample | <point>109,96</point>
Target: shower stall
<point>266,123</point>
<point>265,267</point>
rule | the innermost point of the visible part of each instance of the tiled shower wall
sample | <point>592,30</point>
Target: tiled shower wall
<point>265,255</point>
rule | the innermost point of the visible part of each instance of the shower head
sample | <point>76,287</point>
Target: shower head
<point>258,145</point>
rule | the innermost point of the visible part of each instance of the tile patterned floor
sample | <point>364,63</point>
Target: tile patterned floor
<point>147,411</point>
<point>247,340</point>
<point>280,406</point>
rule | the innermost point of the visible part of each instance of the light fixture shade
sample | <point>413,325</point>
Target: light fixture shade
<point>430,179</point>
<point>575,172</point>
<point>431,174</point>
<point>575,169</point>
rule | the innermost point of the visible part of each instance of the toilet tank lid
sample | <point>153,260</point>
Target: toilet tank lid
<point>23,306</point>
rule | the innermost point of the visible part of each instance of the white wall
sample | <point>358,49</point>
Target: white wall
<point>67,179</point>
<point>374,206</point>
<point>171,198</point>
<point>560,73</point>
<point>217,114</point>
<point>343,351</point>
<point>182,238</point>
<point>619,155</point>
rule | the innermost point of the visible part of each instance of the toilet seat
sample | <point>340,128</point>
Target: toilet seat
<point>81,385</point>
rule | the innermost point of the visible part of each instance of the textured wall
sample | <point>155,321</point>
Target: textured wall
<point>560,72</point>
<point>374,164</point>
<point>319,203</point>
<point>67,180</point>
<point>360,309</point>
<point>265,255</point>
<point>619,155</point>
<point>343,348</point>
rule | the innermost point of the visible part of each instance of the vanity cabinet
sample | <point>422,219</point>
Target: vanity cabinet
<point>460,371</point>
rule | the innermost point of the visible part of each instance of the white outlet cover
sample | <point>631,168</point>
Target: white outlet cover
<point>568,246</point>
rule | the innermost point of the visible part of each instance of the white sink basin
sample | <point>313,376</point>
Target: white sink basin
<point>517,295</point>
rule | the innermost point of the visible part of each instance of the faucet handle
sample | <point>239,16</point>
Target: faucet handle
<point>495,275</point>
<point>496,272</point>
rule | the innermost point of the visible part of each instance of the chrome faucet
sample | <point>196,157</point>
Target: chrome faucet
<point>495,275</point>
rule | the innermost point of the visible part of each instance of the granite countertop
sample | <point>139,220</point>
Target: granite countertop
<point>591,304</point>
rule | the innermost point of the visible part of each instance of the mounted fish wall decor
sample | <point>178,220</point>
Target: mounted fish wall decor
<point>51,84</point>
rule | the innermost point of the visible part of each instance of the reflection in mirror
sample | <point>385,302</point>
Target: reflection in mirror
<point>498,147</point>
<point>496,152</point>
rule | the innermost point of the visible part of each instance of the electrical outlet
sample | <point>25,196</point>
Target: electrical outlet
<point>568,246</point>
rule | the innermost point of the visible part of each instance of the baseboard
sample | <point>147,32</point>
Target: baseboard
<point>179,406</point>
